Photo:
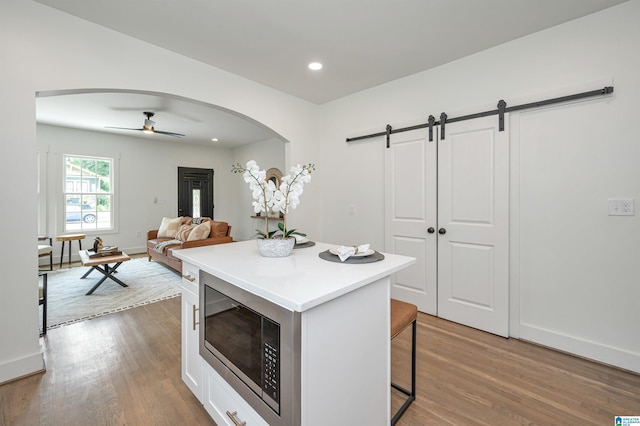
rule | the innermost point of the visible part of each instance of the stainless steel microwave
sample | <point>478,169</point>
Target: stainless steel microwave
<point>254,345</point>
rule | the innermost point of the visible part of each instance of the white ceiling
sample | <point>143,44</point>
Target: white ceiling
<point>199,122</point>
<point>362,43</point>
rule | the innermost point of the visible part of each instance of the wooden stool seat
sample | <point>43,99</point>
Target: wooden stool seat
<point>69,237</point>
<point>403,315</point>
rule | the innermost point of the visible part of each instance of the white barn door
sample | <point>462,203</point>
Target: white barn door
<point>458,187</point>
<point>473,225</point>
<point>410,210</point>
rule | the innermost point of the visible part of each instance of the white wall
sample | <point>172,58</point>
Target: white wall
<point>574,270</point>
<point>145,177</point>
<point>42,49</point>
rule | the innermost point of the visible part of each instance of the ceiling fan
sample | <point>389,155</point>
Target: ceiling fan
<point>148,127</point>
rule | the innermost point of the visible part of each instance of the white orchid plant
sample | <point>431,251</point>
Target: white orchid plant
<point>271,199</point>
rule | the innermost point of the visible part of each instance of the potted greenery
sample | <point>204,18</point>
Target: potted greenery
<point>271,199</point>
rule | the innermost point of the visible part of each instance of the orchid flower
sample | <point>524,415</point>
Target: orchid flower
<point>268,198</point>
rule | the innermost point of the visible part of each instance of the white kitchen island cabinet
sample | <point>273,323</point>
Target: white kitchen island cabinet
<point>192,363</point>
<point>344,343</point>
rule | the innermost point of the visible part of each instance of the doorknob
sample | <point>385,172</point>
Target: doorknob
<point>431,230</point>
<point>442,231</point>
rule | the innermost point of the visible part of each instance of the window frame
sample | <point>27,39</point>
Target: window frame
<point>81,193</point>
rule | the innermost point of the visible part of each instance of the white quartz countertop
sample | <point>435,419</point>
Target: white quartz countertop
<point>298,282</point>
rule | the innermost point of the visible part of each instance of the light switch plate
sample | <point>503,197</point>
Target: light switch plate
<point>621,207</point>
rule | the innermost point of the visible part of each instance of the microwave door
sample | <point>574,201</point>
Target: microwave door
<point>233,334</point>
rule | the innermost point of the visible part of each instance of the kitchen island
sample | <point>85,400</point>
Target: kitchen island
<point>343,368</point>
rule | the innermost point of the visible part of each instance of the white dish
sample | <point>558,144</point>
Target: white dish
<point>363,254</point>
<point>302,240</point>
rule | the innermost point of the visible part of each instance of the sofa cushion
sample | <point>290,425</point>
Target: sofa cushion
<point>183,232</point>
<point>200,232</point>
<point>218,229</point>
<point>155,241</point>
<point>152,244</point>
<point>169,227</point>
<point>44,249</point>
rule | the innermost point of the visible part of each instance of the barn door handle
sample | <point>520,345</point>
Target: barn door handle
<point>442,231</point>
<point>431,230</point>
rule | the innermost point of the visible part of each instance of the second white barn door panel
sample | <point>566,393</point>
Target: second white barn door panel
<point>473,225</point>
<point>447,205</point>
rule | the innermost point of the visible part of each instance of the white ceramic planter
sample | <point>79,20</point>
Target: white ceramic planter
<point>276,247</point>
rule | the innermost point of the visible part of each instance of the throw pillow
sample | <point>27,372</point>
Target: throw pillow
<point>169,227</point>
<point>183,232</point>
<point>200,232</point>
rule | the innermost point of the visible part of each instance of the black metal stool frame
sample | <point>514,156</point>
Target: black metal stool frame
<point>43,302</point>
<point>412,393</point>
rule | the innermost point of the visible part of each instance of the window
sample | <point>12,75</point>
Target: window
<point>88,193</point>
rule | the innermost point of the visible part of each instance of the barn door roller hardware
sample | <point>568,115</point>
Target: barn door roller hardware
<point>432,121</point>
<point>388,135</point>
<point>443,121</point>
<point>500,111</point>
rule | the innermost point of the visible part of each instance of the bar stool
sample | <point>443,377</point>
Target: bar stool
<point>404,314</point>
<point>69,237</point>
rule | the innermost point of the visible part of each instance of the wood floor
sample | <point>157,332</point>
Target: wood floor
<point>120,369</point>
<point>467,377</point>
<point>124,369</point>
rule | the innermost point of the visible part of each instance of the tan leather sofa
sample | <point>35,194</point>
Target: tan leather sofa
<point>220,233</point>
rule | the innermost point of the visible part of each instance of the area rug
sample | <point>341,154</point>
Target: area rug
<point>147,282</point>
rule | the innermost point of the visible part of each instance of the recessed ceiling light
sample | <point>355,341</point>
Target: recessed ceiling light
<point>214,139</point>
<point>315,66</point>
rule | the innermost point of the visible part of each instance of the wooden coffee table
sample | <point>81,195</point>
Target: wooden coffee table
<point>101,264</point>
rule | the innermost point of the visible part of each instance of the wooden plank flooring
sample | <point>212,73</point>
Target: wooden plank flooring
<point>120,369</point>
<point>124,369</point>
<point>467,377</point>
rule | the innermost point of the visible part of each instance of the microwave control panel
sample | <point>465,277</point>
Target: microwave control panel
<point>271,371</point>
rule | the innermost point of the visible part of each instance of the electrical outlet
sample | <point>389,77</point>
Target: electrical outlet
<point>621,207</point>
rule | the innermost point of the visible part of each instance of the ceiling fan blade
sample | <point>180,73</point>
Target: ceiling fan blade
<point>175,135</point>
<point>122,128</point>
<point>148,127</point>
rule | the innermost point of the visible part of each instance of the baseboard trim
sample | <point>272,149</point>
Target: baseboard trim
<point>19,368</point>
<point>587,349</point>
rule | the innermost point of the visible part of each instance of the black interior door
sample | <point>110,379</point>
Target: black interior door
<point>195,192</point>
